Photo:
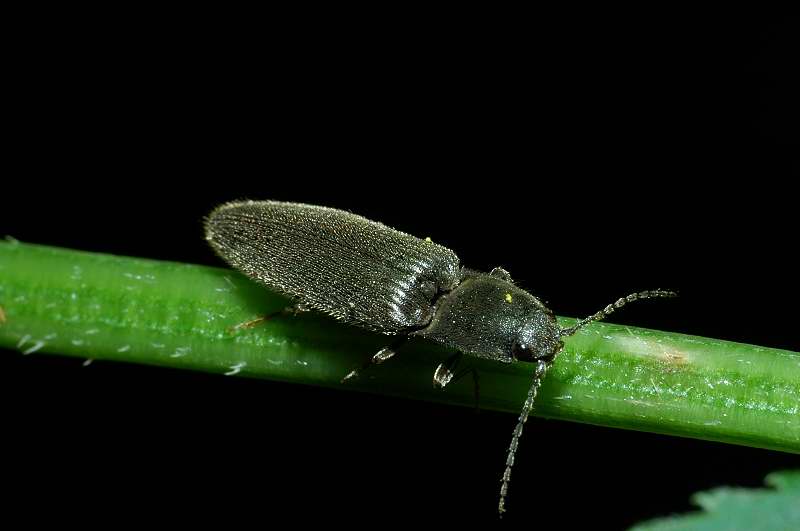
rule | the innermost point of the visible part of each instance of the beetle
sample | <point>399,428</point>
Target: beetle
<point>366,274</point>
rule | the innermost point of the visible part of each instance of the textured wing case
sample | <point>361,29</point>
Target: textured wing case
<point>359,271</point>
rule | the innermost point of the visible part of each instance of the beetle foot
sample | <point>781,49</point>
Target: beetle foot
<point>442,376</point>
<point>350,375</point>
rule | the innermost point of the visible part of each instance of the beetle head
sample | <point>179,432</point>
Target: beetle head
<point>538,339</point>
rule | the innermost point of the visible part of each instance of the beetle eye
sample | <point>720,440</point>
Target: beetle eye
<point>521,351</point>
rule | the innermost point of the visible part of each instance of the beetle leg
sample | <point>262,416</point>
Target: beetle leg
<point>379,357</point>
<point>446,370</point>
<point>445,374</point>
<point>499,272</point>
<point>475,382</point>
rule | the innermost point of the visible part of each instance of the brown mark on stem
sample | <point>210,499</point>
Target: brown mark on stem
<point>672,357</point>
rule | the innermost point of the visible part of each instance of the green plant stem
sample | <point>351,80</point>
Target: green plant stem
<point>179,315</point>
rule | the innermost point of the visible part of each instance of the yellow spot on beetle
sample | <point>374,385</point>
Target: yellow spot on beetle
<point>509,298</point>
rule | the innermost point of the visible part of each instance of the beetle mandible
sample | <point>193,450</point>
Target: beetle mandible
<point>366,274</point>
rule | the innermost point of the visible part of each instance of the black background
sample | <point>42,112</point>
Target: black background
<point>590,158</point>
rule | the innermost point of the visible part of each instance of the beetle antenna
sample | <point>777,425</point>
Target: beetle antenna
<point>541,368</point>
<point>608,310</point>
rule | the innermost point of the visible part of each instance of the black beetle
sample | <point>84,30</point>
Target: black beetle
<point>364,273</point>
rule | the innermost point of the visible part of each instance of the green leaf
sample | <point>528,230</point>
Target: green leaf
<point>180,315</point>
<point>730,508</point>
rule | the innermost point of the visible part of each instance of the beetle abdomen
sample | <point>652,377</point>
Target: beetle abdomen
<point>359,271</point>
